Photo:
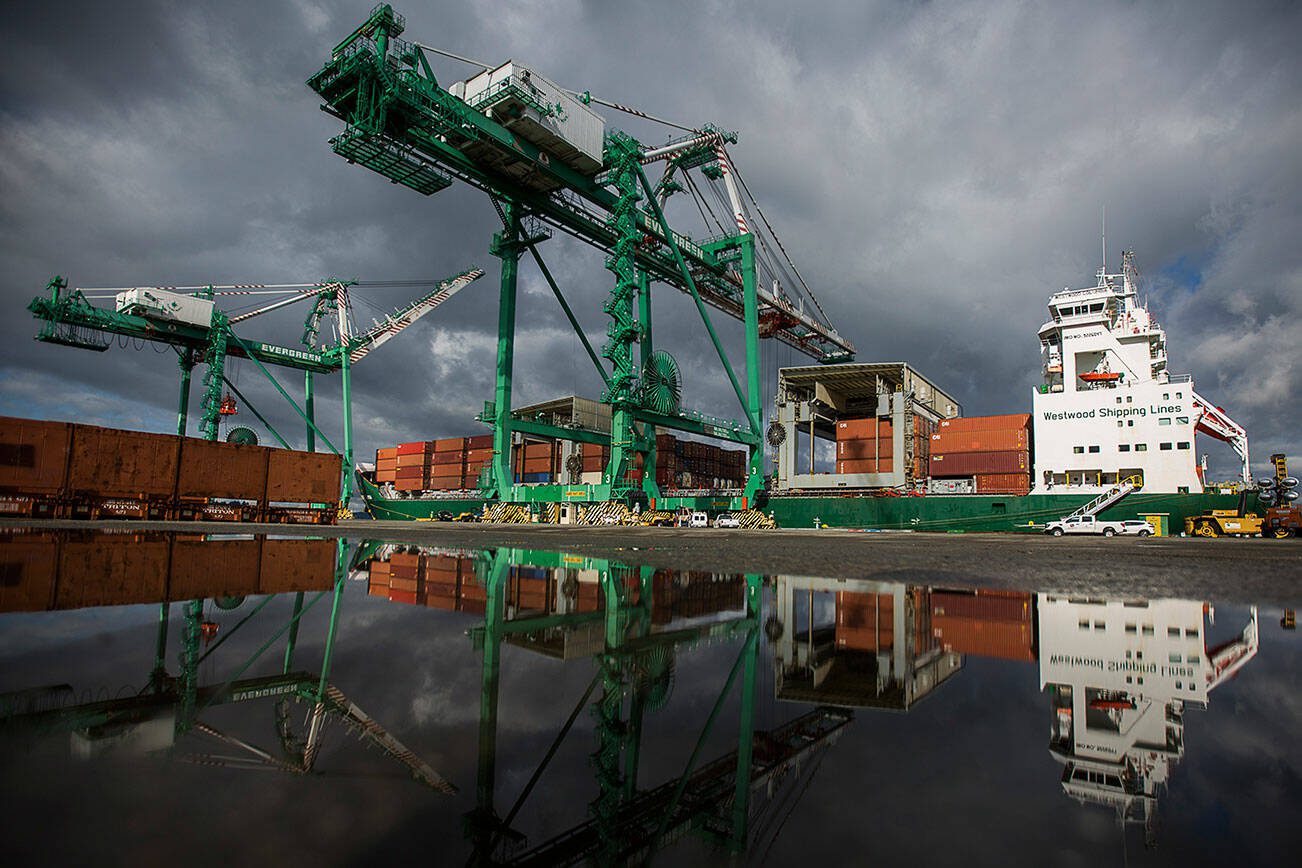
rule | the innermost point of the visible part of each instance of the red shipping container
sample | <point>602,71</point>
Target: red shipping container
<point>419,447</point>
<point>1001,440</point>
<point>442,458</point>
<point>986,423</point>
<point>864,621</point>
<point>411,472</point>
<point>408,597</point>
<point>479,454</point>
<point>479,441</point>
<point>450,444</point>
<point>538,450</point>
<point>537,465</point>
<point>972,463</point>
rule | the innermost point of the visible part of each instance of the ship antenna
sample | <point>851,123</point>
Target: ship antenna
<point>1105,238</point>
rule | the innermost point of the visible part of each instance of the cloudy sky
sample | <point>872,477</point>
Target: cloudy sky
<point>935,170</point>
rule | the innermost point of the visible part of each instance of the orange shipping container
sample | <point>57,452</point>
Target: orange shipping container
<point>215,469</point>
<point>986,423</point>
<point>999,440</point>
<point>858,450</point>
<point>303,477</point>
<point>1003,483</point>
<point>414,459</point>
<point>297,565</point>
<point>446,458</point>
<point>1006,640</point>
<point>215,568</point>
<point>450,444</point>
<point>29,564</point>
<point>111,571</point>
<point>111,463</point>
<point>386,453</point>
<point>865,466</point>
<point>33,455</point>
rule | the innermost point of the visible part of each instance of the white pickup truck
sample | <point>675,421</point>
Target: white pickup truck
<point>1084,524</point>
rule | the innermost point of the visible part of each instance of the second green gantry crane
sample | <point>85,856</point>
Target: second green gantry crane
<point>548,161</point>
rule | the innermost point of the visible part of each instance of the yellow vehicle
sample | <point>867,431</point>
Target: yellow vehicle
<point>1223,522</point>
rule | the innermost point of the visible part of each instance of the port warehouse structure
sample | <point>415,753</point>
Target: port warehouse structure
<point>533,148</point>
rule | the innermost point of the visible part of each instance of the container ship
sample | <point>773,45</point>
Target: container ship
<point>880,446</point>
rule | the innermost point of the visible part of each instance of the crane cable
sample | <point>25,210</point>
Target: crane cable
<point>778,241</point>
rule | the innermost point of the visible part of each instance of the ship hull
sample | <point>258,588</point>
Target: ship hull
<point>939,513</point>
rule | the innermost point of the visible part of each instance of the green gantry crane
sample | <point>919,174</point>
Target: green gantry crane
<point>188,319</point>
<point>547,162</point>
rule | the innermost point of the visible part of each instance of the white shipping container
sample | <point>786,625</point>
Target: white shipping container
<point>569,130</point>
<point>160,304</point>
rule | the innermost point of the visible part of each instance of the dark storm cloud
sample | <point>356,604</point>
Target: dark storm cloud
<point>936,171</point>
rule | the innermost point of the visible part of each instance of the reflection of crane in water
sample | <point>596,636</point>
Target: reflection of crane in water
<point>171,706</point>
<point>718,798</point>
<point>1119,675</point>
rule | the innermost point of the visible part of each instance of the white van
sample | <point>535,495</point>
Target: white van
<point>698,519</point>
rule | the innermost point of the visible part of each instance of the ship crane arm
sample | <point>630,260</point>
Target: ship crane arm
<point>1214,422</point>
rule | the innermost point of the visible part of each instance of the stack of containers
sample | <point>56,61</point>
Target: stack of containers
<point>448,464</point>
<point>689,464</point>
<point>989,623</point>
<point>995,451</point>
<point>536,462</point>
<point>865,445</point>
<point>923,428</point>
<point>413,466</point>
<point>386,464</point>
<point>443,581</point>
<point>595,459</point>
<point>479,453</point>
<point>406,577</point>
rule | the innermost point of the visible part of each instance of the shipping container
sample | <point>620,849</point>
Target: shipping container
<point>111,571</point>
<point>290,565</point>
<point>986,423</point>
<point>1003,483</point>
<point>865,466</point>
<point>993,440</point>
<point>213,469</point>
<point>864,621</point>
<point>303,477</point>
<point>1005,640</point>
<point>33,456</point>
<point>29,564</point>
<point>214,568</point>
<point>450,444</point>
<point>858,450</point>
<point>993,605</point>
<point>972,463</point>
<point>864,429</point>
<point>419,447</point>
<point>446,458</point>
<point>479,441</point>
<point>106,462</point>
<point>387,452</point>
<point>415,459</point>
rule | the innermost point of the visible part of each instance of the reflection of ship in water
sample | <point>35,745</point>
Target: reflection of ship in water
<point>631,623</point>
<point>1119,675</point>
<point>46,571</point>
<point>869,644</point>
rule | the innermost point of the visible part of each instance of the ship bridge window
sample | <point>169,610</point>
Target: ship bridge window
<point>1094,449</point>
<point>1165,447</point>
<point>1124,447</point>
<point>1183,444</point>
<point>1079,450</point>
<point>1141,447</point>
<point>1173,632</point>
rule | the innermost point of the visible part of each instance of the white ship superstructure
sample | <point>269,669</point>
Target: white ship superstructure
<point>1119,674</point>
<point>1109,409</point>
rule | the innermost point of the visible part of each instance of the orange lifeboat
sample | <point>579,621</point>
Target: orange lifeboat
<point>1100,377</point>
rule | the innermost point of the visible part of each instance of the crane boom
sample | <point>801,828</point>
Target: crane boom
<point>360,345</point>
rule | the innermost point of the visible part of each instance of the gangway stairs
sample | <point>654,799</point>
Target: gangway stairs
<point>1108,498</point>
